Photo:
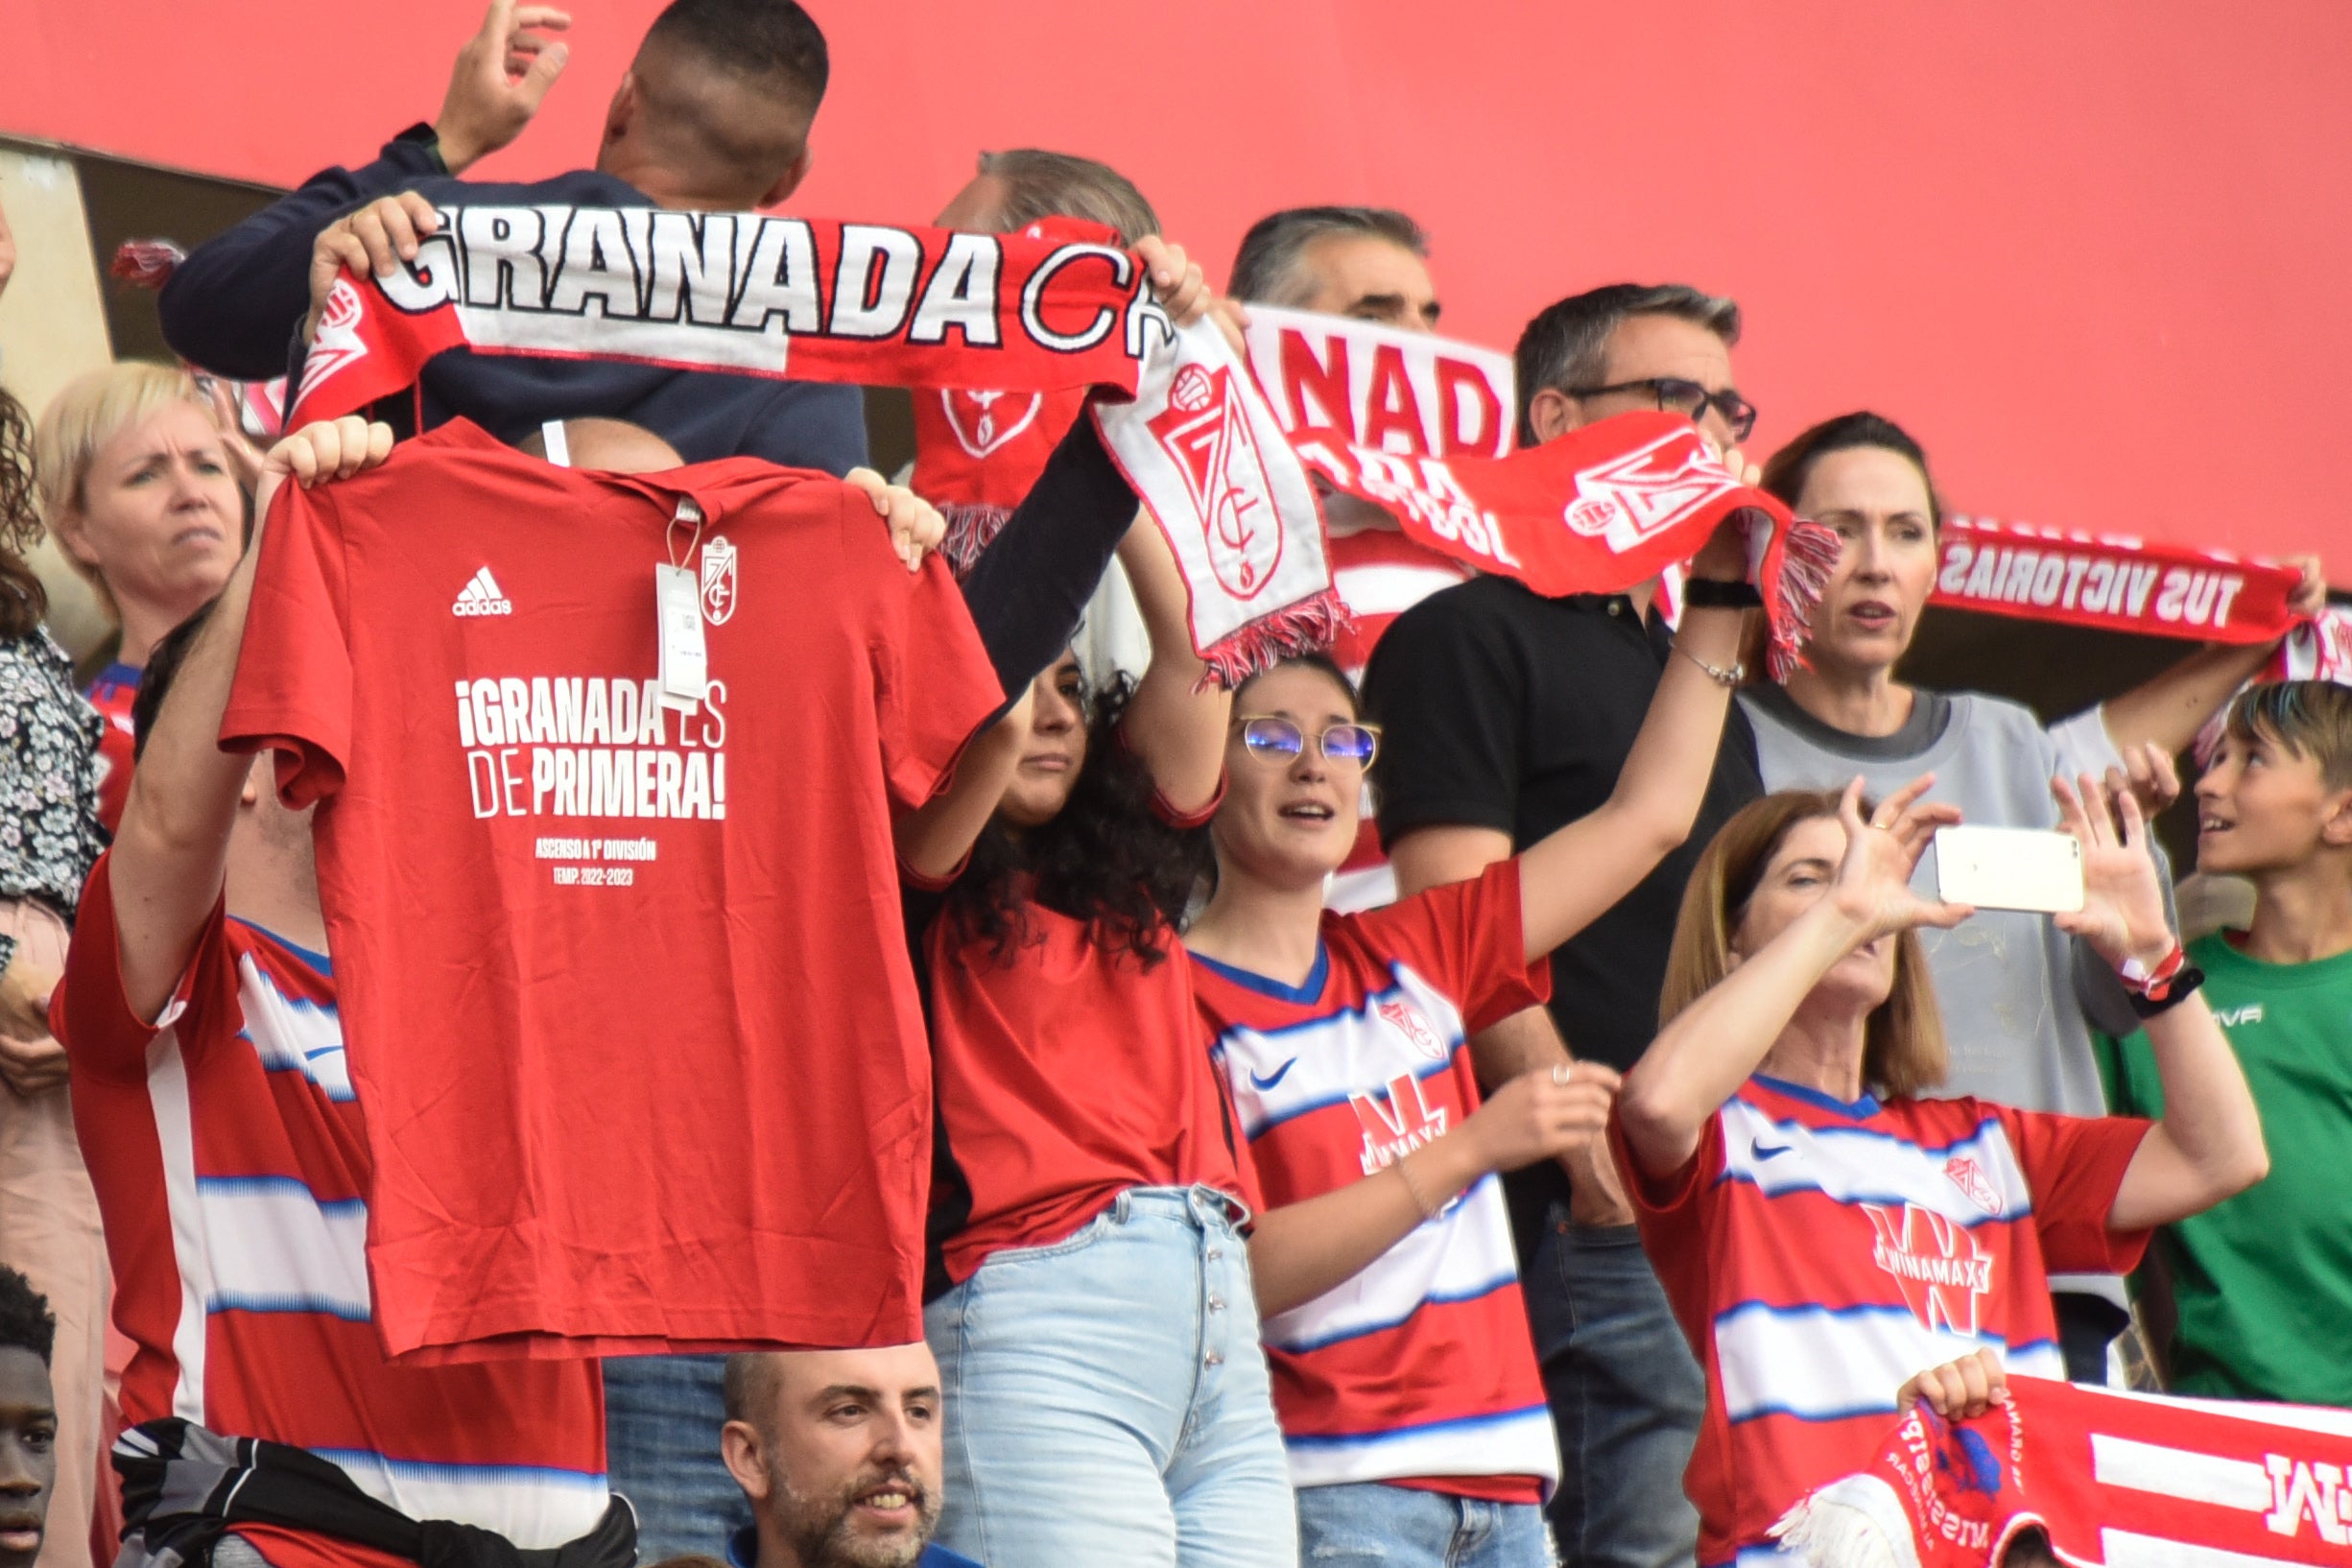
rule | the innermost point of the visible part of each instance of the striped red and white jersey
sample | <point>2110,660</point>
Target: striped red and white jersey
<point>1817,1254</point>
<point>227,1146</point>
<point>1419,1370</point>
<point>1378,574</point>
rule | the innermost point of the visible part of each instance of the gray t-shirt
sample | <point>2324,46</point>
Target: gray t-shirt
<point>2006,980</point>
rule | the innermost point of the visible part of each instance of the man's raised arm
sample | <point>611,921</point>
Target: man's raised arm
<point>232,306</point>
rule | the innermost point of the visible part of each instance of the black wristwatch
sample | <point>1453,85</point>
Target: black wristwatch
<point>2181,985</point>
<point>1714,593</point>
<point>422,135</point>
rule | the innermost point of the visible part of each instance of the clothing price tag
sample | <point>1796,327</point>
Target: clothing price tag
<point>685,662</point>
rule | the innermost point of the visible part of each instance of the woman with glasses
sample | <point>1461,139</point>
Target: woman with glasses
<point>1404,1375</point>
<point>2007,981</point>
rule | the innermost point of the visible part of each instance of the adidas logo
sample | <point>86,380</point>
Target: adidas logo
<point>482,596</point>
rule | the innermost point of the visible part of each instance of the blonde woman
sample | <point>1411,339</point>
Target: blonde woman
<point>1833,1244</point>
<point>144,495</point>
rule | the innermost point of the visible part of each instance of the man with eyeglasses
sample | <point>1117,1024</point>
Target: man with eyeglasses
<point>1507,715</point>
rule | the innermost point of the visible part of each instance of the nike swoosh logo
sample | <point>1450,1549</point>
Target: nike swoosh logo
<point>1277,1075</point>
<point>1762,1152</point>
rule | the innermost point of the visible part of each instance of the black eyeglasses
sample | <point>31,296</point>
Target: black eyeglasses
<point>1687,399</point>
<point>1278,739</point>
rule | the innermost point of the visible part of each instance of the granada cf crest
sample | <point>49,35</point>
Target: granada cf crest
<point>1206,432</point>
<point>338,342</point>
<point>1406,1019</point>
<point>1646,491</point>
<point>985,420</point>
<point>717,580</point>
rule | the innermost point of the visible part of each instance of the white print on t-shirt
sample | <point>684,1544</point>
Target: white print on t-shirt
<point>1942,1273</point>
<point>575,746</point>
<point>2232,1017</point>
<point>1397,1122</point>
<point>482,596</point>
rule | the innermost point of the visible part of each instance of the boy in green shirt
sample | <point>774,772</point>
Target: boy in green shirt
<point>2262,1283</point>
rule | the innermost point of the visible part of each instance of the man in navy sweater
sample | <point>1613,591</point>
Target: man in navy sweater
<point>713,114</point>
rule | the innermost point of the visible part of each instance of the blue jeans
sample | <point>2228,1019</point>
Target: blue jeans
<point>1626,1394</point>
<point>1107,1401</point>
<point>1369,1525</point>
<point>662,1416</point>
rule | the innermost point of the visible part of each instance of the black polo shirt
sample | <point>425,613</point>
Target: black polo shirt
<point>1508,710</point>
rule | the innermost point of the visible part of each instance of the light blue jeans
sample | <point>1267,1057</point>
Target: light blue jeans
<point>1107,1402</point>
<point>1370,1524</point>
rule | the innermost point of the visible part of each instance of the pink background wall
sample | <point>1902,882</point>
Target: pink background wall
<point>2095,255</point>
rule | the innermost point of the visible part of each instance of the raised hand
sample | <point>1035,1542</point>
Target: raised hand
<point>2148,775</point>
<point>2123,900</point>
<point>1959,1388</point>
<point>915,525</point>
<point>1874,883</point>
<point>499,80</point>
<point>1183,290</point>
<point>327,449</point>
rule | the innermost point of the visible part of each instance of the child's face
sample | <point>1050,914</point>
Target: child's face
<point>2262,807</point>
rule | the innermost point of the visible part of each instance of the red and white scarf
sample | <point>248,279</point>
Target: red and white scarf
<point>2116,1480</point>
<point>1603,510</point>
<point>1422,427</point>
<point>2119,584</point>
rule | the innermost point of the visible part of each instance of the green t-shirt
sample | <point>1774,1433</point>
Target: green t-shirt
<point>2262,1282</point>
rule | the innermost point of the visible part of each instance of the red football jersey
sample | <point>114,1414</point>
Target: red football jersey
<point>1817,1254</point>
<point>626,989</point>
<point>112,694</point>
<point>1419,1370</point>
<point>1067,1074</point>
<point>227,1147</point>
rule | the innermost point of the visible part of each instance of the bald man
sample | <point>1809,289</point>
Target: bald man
<point>714,113</point>
<point>839,1453</point>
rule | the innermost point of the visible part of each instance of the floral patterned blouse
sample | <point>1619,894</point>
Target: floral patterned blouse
<point>49,734</point>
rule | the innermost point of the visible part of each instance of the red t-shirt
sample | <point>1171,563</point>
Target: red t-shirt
<point>1419,1371</point>
<point>1067,1075</point>
<point>227,1149</point>
<point>1818,1254</point>
<point>628,999</point>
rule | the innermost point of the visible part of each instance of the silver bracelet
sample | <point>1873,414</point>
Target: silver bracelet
<point>1715,672</point>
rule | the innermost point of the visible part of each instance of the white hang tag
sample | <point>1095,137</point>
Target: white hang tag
<point>677,602</point>
<point>685,662</point>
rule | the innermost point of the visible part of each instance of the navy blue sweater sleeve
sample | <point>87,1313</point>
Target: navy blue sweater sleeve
<point>234,304</point>
<point>1029,586</point>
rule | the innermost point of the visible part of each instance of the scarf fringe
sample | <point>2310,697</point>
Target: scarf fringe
<point>971,528</point>
<point>1857,1522</point>
<point>1308,627</point>
<point>1807,557</point>
<point>146,264</point>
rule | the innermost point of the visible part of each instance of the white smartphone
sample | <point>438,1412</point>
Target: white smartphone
<point>2008,868</point>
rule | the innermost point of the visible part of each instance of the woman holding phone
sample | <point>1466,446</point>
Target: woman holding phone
<point>1833,1244</point>
<point>2013,985</point>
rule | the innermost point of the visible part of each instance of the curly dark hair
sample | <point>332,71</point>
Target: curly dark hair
<point>26,1322</point>
<point>1106,858</point>
<point>22,599</point>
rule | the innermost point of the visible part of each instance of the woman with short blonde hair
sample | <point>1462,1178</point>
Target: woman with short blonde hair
<point>142,494</point>
<point>1835,1245</point>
